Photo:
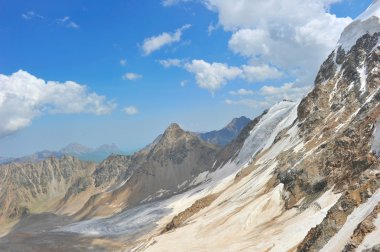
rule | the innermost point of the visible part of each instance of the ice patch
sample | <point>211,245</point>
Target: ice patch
<point>376,139</point>
<point>131,222</point>
<point>262,136</point>
<point>363,78</point>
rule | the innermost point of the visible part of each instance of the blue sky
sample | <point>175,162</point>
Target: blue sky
<point>221,62</point>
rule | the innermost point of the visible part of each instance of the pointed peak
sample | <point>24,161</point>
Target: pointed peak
<point>173,131</point>
<point>174,127</point>
<point>172,134</point>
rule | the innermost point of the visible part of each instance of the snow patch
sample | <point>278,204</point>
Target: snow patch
<point>368,22</point>
<point>363,78</point>
<point>376,139</point>
<point>340,239</point>
<point>372,238</point>
<point>263,134</point>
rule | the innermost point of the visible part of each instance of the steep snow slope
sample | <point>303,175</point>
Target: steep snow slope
<point>305,178</point>
<point>308,181</point>
<point>263,135</point>
<point>367,23</point>
<point>133,221</point>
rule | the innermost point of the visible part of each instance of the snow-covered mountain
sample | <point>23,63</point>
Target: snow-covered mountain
<point>303,176</point>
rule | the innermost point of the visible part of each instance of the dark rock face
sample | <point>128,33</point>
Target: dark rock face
<point>113,168</point>
<point>227,134</point>
<point>341,111</point>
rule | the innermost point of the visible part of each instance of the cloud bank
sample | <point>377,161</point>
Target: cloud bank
<point>23,97</point>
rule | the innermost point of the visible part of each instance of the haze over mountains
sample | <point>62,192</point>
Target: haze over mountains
<point>82,152</point>
<point>77,150</point>
<point>302,176</point>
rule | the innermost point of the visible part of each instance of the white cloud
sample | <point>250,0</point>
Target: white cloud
<point>131,76</point>
<point>296,37</point>
<point>24,97</point>
<point>157,42</point>
<point>287,91</point>
<point>30,15</point>
<point>131,110</point>
<point>173,2</point>
<point>260,73</point>
<point>123,62</point>
<point>212,76</point>
<point>242,91</point>
<point>269,95</point>
<point>252,103</point>
<point>211,28</point>
<point>171,62</point>
<point>67,22</point>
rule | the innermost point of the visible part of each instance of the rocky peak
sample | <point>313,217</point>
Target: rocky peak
<point>349,78</point>
<point>172,134</point>
<point>238,123</point>
<point>174,128</point>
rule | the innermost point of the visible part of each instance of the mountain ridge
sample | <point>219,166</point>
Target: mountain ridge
<point>302,176</point>
<point>225,135</point>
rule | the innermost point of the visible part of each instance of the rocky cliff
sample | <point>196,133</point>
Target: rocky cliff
<point>36,187</point>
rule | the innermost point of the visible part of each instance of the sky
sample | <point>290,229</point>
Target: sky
<point>95,72</point>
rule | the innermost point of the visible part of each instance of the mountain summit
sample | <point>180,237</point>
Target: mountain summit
<point>224,136</point>
<point>300,177</point>
<point>367,23</point>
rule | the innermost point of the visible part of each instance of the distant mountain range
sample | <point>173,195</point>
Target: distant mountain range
<point>217,137</point>
<point>74,149</point>
<point>302,177</point>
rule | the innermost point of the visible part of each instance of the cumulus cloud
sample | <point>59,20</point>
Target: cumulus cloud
<point>24,97</point>
<point>296,37</point>
<point>171,62</point>
<point>242,92</point>
<point>267,96</point>
<point>289,91</point>
<point>131,76</point>
<point>260,73</point>
<point>131,110</point>
<point>157,42</point>
<point>212,76</point>
<point>67,22</point>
